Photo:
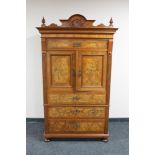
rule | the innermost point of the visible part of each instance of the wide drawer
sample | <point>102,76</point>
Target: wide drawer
<point>76,126</point>
<point>76,98</point>
<point>76,112</point>
<point>76,43</point>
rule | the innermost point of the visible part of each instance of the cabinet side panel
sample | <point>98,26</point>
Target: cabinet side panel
<point>44,70</point>
<point>108,80</point>
<point>44,62</point>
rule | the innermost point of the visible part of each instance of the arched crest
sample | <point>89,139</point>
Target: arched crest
<point>77,21</point>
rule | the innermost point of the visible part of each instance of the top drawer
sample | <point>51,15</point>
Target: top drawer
<point>76,43</point>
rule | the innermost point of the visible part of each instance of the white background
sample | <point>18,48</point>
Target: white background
<point>101,11</point>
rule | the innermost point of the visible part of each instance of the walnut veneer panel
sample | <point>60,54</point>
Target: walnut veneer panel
<point>76,126</point>
<point>61,99</point>
<point>76,43</point>
<point>76,112</point>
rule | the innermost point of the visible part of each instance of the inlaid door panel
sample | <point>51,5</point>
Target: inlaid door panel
<point>91,70</point>
<point>59,70</point>
<point>76,125</point>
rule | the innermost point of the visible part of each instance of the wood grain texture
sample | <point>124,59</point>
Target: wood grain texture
<point>76,43</point>
<point>76,112</point>
<point>77,59</point>
<point>91,68</point>
<point>76,98</point>
<point>59,70</point>
<point>76,126</point>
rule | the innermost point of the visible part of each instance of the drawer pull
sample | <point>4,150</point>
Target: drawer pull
<point>75,111</point>
<point>76,44</point>
<point>73,72</point>
<point>75,97</point>
<point>75,125</point>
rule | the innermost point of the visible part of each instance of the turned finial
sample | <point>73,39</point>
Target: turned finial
<point>43,22</point>
<point>111,22</point>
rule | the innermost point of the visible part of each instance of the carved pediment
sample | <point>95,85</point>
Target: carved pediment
<point>77,21</point>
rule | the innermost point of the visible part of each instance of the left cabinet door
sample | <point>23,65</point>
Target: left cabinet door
<point>60,71</point>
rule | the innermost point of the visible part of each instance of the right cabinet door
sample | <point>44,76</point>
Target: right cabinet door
<point>91,69</point>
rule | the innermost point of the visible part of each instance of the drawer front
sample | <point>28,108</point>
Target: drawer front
<point>60,99</point>
<point>76,112</point>
<point>96,98</point>
<point>76,43</point>
<point>76,126</point>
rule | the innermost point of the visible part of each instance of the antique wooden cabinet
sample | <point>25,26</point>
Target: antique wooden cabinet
<point>76,58</point>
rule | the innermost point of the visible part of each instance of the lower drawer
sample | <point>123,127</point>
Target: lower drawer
<point>78,98</point>
<point>76,126</point>
<point>76,112</point>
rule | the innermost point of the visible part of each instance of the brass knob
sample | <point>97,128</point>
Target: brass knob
<point>77,111</point>
<point>77,97</point>
<point>74,97</point>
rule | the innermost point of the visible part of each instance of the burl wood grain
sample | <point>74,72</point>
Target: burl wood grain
<point>92,70</point>
<point>92,66</point>
<point>60,70</point>
<point>76,126</point>
<point>76,112</point>
<point>77,98</point>
<point>75,43</point>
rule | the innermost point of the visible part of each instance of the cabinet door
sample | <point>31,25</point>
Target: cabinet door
<point>91,70</point>
<point>60,71</point>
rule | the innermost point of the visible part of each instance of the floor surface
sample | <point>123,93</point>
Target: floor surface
<point>117,145</point>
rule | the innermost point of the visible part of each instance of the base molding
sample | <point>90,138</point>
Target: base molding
<point>73,135</point>
<point>110,119</point>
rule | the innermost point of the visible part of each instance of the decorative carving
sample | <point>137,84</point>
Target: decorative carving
<point>77,21</point>
<point>43,22</point>
<point>100,25</point>
<point>53,25</point>
<point>111,22</point>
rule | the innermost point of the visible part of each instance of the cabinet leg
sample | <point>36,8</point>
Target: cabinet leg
<point>105,140</point>
<point>46,140</point>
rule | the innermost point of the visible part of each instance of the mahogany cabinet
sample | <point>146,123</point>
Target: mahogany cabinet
<point>76,59</point>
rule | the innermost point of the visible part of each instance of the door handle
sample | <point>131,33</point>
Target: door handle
<point>73,72</point>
